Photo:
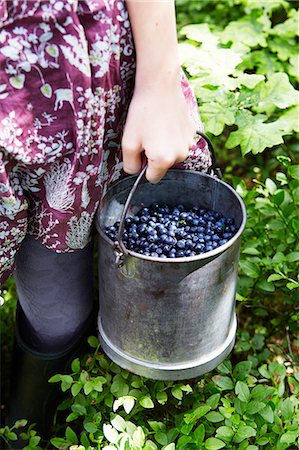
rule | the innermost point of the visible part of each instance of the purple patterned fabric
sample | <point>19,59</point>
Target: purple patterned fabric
<point>66,78</point>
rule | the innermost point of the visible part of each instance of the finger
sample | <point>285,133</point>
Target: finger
<point>183,155</point>
<point>131,151</point>
<point>157,168</point>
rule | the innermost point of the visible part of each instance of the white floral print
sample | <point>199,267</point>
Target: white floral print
<point>66,78</point>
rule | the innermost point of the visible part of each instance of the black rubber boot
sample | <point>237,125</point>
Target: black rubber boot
<point>32,396</point>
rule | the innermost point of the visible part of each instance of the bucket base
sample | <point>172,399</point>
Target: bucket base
<point>169,372</point>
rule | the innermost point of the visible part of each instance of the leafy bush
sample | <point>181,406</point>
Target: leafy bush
<point>239,407</point>
<point>243,69</point>
<point>269,265</point>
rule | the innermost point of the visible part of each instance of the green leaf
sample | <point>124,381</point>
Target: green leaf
<point>254,406</point>
<point>59,443</point>
<point>119,387</point>
<point>287,409</point>
<point>215,116</point>
<point>242,391</point>
<point>262,441</point>
<point>199,434</point>
<point>289,437</point>
<point>294,171</point>
<point>288,121</point>
<point>214,444</point>
<point>161,397</point>
<point>214,417</point>
<point>76,365</point>
<point>244,432</point>
<point>71,436</point>
<point>250,80</point>
<point>285,48</point>
<point>275,277</point>
<point>98,383</point>
<point>75,389</point>
<point>250,269</point>
<point>196,414</point>
<point>161,438</point>
<point>225,433</point>
<point>146,402</point>
<point>293,257</point>
<point>12,436</point>
<point>245,30</point>
<point>72,416</point>
<point>21,423</point>
<point>88,387</point>
<point>156,426</point>
<point>93,341</point>
<point>225,367</point>
<point>56,378</point>
<point>177,392</point>
<point>242,370</point>
<point>267,414</point>
<point>213,401</point>
<point>251,251</point>
<point>80,409</point>
<point>277,91</point>
<point>265,285</point>
<point>223,382</point>
<point>90,427</point>
<point>253,134</point>
<point>288,28</point>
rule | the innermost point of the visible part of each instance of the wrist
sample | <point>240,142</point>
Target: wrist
<point>158,76</point>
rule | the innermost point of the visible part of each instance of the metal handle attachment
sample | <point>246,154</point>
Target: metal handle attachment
<point>213,167</point>
<point>119,247</point>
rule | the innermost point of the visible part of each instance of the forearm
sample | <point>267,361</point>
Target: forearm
<point>154,29</point>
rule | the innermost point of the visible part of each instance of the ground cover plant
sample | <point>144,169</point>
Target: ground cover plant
<point>241,57</point>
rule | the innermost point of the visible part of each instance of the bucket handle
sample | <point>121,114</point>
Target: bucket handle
<point>119,247</point>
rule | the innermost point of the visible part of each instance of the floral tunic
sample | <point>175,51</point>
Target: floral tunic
<point>66,78</point>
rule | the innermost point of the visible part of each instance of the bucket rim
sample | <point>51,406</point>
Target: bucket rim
<point>183,259</point>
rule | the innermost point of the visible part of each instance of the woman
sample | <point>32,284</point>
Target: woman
<point>79,104</point>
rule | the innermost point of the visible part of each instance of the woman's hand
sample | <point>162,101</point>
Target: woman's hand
<point>158,122</point>
<point>160,125</point>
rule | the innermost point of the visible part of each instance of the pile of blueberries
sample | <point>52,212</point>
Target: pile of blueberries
<point>174,232</point>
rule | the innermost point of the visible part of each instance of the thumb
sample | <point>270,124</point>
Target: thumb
<point>157,169</point>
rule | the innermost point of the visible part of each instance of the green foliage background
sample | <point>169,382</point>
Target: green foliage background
<point>242,59</point>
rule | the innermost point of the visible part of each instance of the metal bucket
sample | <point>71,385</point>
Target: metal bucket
<point>168,319</point>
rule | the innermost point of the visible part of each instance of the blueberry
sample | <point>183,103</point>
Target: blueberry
<point>170,232</point>
<point>163,238</point>
<point>142,228</point>
<point>222,241</point>
<point>166,248</point>
<point>189,243</point>
<point>181,243</point>
<point>199,248</point>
